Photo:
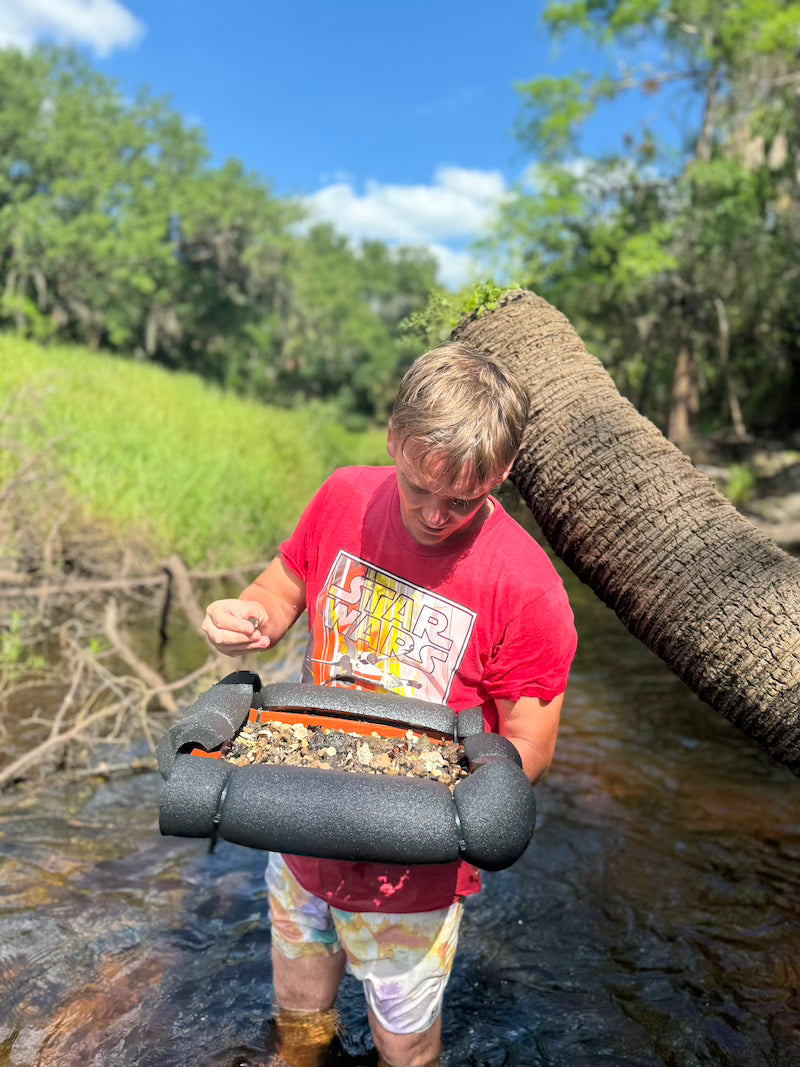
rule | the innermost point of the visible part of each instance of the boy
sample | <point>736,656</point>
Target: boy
<point>416,582</point>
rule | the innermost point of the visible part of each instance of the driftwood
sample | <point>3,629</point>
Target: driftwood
<point>150,677</point>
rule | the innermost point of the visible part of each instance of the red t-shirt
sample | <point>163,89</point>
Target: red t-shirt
<point>479,617</point>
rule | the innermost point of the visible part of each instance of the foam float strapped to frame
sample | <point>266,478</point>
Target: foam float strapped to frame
<point>488,818</point>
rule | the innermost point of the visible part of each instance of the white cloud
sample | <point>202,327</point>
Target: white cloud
<point>457,207</point>
<point>103,25</point>
<point>456,267</point>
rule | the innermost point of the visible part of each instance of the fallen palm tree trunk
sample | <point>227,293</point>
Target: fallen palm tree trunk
<point>689,576</point>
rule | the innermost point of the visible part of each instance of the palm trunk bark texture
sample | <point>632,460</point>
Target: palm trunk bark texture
<point>694,580</point>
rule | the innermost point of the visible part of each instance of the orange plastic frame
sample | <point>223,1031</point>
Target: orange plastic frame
<point>325,722</point>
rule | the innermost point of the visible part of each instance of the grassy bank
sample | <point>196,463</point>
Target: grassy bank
<point>164,457</point>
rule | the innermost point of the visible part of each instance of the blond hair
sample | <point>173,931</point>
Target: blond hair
<point>464,410</point>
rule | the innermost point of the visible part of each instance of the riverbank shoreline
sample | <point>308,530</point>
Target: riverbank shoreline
<point>761,478</point>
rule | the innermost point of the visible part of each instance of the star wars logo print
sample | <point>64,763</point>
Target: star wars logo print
<point>373,631</point>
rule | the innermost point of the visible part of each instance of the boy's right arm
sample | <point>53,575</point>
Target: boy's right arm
<point>260,616</point>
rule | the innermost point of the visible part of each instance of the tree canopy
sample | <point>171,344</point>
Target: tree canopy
<point>116,232</point>
<point>674,252</point>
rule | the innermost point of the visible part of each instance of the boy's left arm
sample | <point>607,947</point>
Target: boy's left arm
<point>531,725</point>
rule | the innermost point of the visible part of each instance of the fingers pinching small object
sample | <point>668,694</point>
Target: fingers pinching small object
<point>254,622</point>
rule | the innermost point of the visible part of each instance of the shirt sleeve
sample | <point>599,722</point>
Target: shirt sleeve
<point>298,548</point>
<point>535,651</point>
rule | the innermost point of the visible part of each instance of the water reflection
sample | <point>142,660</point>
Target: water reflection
<point>653,921</point>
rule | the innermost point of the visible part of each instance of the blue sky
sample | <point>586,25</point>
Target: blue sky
<point>391,118</point>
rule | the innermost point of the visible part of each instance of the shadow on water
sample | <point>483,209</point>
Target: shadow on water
<point>654,920</point>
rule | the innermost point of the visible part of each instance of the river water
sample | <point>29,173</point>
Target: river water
<point>654,920</point>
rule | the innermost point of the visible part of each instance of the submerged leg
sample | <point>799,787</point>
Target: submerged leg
<point>404,962</point>
<point>407,1050</point>
<point>306,1021</point>
<point>302,1038</point>
<point>307,967</point>
<point>307,983</point>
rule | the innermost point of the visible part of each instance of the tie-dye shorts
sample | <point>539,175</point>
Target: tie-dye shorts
<point>403,961</point>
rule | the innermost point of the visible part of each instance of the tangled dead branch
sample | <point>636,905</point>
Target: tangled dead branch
<point>80,699</point>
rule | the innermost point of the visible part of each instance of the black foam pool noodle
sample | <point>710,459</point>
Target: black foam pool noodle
<point>469,722</point>
<point>340,815</point>
<point>357,704</point>
<point>497,812</point>
<point>212,720</point>
<point>479,748</point>
<point>192,796</point>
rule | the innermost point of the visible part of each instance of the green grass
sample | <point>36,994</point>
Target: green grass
<point>741,486</point>
<point>164,456</point>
